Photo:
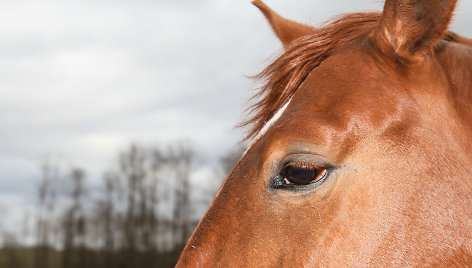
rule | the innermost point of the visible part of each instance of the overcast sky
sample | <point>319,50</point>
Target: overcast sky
<point>81,80</point>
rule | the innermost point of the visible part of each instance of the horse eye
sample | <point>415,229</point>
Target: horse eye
<point>303,174</point>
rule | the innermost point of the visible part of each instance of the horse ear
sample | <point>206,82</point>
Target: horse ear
<point>411,28</point>
<point>285,29</point>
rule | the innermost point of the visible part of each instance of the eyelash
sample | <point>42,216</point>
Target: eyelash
<point>304,164</point>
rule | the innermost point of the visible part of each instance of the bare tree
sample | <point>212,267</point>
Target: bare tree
<point>107,218</point>
<point>229,160</point>
<point>74,225</point>
<point>140,171</point>
<point>142,217</point>
<point>133,171</point>
<point>45,210</point>
<point>149,211</point>
<point>226,164</point>
<point>181,159</point>
<point>143,172</point>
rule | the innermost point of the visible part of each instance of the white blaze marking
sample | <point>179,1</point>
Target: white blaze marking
<point>268,124</point>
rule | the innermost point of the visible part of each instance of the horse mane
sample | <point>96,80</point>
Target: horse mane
<point>282,78</point>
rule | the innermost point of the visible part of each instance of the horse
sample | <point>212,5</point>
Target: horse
<point>361,149</point>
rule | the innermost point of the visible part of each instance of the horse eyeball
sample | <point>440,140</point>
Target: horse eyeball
<point>302,174</point>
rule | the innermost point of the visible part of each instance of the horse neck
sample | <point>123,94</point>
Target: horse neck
<point>456,59</point>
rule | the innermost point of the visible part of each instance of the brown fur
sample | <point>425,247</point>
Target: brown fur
<point>392,115</point>
<point>284,76</point>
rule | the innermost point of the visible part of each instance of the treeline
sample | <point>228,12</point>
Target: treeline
<point>140,215</point>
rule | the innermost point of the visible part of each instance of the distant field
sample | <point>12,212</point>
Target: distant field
<point>25,258</point>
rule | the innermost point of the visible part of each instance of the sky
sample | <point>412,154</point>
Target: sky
<point>81,80</point>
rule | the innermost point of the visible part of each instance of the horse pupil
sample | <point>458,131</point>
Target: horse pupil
<point>300,175</point>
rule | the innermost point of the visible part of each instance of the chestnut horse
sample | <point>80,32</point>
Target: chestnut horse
<point>362,151</point>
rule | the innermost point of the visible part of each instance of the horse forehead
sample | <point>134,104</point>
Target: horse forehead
<point>341,101</point>
<point>345,88</point>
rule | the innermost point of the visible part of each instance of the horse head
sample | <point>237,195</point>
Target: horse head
<point>361,152</point>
